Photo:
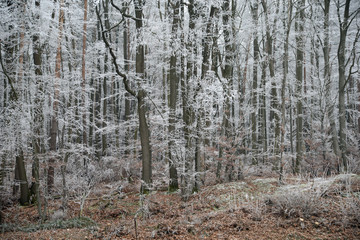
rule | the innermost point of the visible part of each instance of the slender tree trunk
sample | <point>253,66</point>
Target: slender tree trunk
<point>20,163</point>
<point>262,140</point>
<point>344,25</point>
<point>188,114</point>
<point>128,101</point>
<point>254,10</point>
<point>83,83</point>
<point>287,26</point>
<point>173,184</point>
<point>54,121</point>
<point>328,83</point>
<point>206,114</point>
<point>105,84</point>
<point>38,111</point>
<point>299,28</point>
<point>97,104</point>
<point>142,108</point>
<point>274,112</point>
<point>228,75</point>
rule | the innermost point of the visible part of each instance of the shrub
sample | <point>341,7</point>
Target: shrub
<point>293,203</point>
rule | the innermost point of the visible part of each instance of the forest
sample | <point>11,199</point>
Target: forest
<point>133,98</point>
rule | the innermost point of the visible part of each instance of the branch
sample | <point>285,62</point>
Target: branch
<point>108,30</point>
<point>122,11</point>
<point>114,59</point>
<point>353,15</point>
<point>14,95</point>
<point>156,107</point>
<point>353,58</point>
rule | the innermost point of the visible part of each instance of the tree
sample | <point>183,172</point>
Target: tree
<point>254,11</point>
<point>173,78</point>
<point>55,104</point>
<point>83,83</point>
<point>300,44</point>
<point>270,59</point>
<point>287,11</point>
<point>38,121</point>
<point>328,82</point>
<point>345,23</point>
<point>140,95</point>
<point>227,73</point>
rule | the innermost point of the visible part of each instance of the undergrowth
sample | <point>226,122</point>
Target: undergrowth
<point>58,224</point>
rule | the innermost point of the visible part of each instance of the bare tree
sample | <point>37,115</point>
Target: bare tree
<point>55,104</point>
<point>140,94</point>
<point>300,44</point>
<point>174,82</point>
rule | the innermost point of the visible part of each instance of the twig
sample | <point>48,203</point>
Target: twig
<point>156,107</point>
<point>14,96</point>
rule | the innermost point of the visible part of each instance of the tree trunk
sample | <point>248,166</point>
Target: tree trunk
<point>228,75</point>
<point>54,121</point>
<point>83,83</point>
<point>97,105</point>
<point>299,28</point>
<point>38,112</point>
<point>142,108</point>
<point>287,26</point>
<point>328,83</point>
<point>105,90</point>
<point>274,111</point>
<point>173,184</point>
<point>24,187</point>
<point>254,10</point>
<point>128,101</point>
<point>188,114</point>
<point>20,164</point>
<point>344,25</point>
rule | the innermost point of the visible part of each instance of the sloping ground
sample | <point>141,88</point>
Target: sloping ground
<point>253,209</point>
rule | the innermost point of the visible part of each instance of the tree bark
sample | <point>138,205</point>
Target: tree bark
<point>287,26</point>
<point>38,140</point>
<point>344,25</point>
<point>24,187</point>
<point>254,11</point>
<point>173,184</point>
<point>142,108</point>
<point>54,120</point>
<point>83,76</point>
<point>299,28</point>
<point>140,94</point>
<point>328,83</point>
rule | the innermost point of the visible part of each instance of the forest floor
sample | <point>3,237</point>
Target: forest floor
<point>257,208</point>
